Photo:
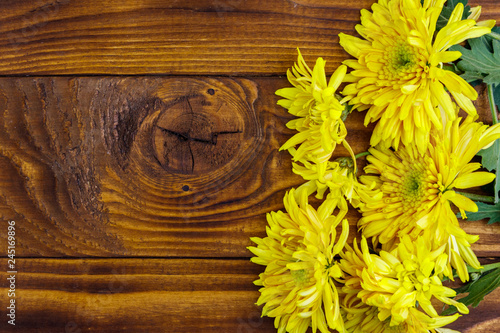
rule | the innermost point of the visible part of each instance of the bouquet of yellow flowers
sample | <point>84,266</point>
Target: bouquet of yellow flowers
<point>412,77</point>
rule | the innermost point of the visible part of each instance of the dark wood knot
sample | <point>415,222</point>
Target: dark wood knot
<point>197,133</point>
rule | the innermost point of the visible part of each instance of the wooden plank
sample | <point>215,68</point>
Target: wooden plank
<point>183,167</point>
<point>152,295</point>
<point>223,37</point>
<point>483,318</point>
<point>100,166</point>
<point>122,295</point>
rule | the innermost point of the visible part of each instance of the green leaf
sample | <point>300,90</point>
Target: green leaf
<point>485,211</point>
<point>472,76</point>
<point>482,286</point>
<point>490,159</point>
<point>490,156</point>
<point>479,60</point>
<point>448,9</point>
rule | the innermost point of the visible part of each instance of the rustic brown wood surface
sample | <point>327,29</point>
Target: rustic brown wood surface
<point>215,37</point>
<point>141,153</point>
<point>154,295</point>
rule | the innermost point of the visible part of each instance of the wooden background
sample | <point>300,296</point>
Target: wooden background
<point>138,154</point>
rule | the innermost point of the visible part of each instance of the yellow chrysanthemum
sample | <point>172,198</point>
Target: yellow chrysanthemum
<point>313,100</point>
<point>398,74</point>
<point>382,291</point>
<point>418,190</point>
<point>297,285</point>
<point>339,178</point>
<point>363,318</point>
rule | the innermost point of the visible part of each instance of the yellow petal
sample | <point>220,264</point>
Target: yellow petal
<point>474,179</point>
<point>488,23</point>
<point>352,45</point>
<point>457,13</point>
<point>337,77</point>
<point>409,88</point>
<point>462,202</point>
<point>475,12</point>
<point>447,56</point>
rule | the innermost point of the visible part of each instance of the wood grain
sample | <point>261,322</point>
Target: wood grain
<point>143,154</point>
<point>200,37</point>
<point>178,167</point>
<point>111,166</point>
<point>127,295</point>
<point>153,295</point>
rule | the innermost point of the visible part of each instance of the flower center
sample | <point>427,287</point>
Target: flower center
<point>402,59</point>
<point>401,62</point>
<point>409,187</point>
<point>346,163</point>
<point>412,188</point>
<point>300,277</point>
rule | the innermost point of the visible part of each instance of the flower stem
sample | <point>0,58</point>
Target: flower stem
<point>452,68</point>
<point>365,153</point>
<point>491,99</point>
<point>478,197</point>
<point>485,268</point>
<point>494,35</point>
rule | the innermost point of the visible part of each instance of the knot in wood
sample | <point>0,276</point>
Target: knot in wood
<point>198,132</point>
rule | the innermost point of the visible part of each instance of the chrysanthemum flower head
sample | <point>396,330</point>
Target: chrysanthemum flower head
<point>418,190</point>
<point>398,72</point>
<point>298,286</point>
<point>313,100</point>
<point>339,179</point>
<point>384,292</point>
<point>362,318</point>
